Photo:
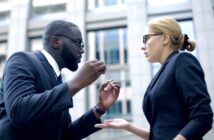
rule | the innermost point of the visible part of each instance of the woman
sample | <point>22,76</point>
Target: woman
<point>176,103</point>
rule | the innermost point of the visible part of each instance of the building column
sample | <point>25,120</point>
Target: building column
<point>204,29</point>
<point>17,36</point>
<point>140,69</point>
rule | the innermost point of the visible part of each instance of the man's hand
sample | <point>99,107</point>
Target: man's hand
<point>87,74</point>
<point>108,94</point>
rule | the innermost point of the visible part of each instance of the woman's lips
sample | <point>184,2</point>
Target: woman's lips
<point>146,54</point>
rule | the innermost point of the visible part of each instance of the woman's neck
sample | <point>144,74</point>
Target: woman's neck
<point>165,55</point>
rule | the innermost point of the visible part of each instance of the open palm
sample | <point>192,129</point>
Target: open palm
<point>113,123</point>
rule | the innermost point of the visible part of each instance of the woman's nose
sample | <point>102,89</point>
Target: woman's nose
<point>143,47</point>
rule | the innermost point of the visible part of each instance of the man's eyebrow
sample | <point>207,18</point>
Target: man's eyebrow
<point>79,40</point>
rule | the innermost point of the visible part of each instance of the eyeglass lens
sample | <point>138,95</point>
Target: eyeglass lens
<point>147,36</point>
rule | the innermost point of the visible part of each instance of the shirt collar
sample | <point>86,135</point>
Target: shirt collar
<point>52,62</point>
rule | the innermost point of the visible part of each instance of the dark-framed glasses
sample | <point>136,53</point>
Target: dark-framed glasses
<point>147,36</point>
<point>78,43</point>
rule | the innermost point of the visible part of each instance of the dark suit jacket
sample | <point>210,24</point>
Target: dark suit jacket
<point>33,107</point>
<point>177,100</point>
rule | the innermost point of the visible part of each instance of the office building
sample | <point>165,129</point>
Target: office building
<point>112,31</point>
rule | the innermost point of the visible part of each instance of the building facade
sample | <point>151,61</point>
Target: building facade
<point>112,31</point>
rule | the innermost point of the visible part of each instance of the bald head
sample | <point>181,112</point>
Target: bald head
<point>56,28</point>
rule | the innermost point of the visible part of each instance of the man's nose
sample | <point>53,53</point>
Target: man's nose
<point>82,50</point>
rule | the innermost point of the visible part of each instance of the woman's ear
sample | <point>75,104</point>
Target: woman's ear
<point>166,39</point>
<point>56,42</point>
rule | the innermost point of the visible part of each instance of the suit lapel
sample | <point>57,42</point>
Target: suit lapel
<point>156,77</point>
<point>49,70</point>
<point>146,103</point>
<point>152,83</point>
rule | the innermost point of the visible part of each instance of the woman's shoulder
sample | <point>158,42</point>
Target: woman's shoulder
<point>185,57</point>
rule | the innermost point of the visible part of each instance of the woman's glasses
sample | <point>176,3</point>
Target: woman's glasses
<point>147,36</point>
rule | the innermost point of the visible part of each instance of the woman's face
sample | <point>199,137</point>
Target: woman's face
<point>152,46</point>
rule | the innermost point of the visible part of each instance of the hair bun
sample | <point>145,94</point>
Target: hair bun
<point>186,42</point>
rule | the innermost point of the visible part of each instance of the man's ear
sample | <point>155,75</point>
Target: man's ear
<point>56,42</point>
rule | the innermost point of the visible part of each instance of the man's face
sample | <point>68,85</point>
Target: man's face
<point>69,58</point>
<point>72,50</point>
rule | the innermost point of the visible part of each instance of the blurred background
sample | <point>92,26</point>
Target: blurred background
<point>112,31</point>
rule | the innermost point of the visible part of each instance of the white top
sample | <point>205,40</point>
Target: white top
<point>52,62</point>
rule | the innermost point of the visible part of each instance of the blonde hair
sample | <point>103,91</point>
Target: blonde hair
<point>170,26</point>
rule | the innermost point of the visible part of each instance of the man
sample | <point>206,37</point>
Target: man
<point>34,103</point>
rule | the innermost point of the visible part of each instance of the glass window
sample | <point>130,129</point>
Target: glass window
<point>4,16</point>
<point>125,46</point>
<point>3,47</point>
<point>38,11</point>
<point>128,107</point>
<point>111,46</point>
<point>36,43</point>
<point>109,2</point>
<point>124,1</point>
<point>167,6</point>
<point>113,74</point>
<point>94,4</point>
<point>97,3</point>
<point>165,2</point>
<point>5,8</point>
<point>37,3</point>
<point>97,40</point>
<point>2,64</point>
<point>48,7</point>
<point>103,3</point>
<point>127,78</point>
<point>213,6</point>
<point>116,109</point>
<point>3,0</point>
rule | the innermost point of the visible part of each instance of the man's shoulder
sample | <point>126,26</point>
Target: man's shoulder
<point>22,55</point>
<point>21,59</point>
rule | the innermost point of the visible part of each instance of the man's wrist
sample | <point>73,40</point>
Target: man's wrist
<point>98,110</point>
<point>73,87</point>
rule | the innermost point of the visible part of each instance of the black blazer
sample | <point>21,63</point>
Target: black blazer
<point>177,100</point>
<point>33,107</point>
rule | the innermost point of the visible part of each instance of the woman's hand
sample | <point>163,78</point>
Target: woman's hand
<point>114,123</point>
<point>123,124</point>
<point>179,137</point>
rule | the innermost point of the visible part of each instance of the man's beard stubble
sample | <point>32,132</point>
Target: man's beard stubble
<point>69,59</point>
